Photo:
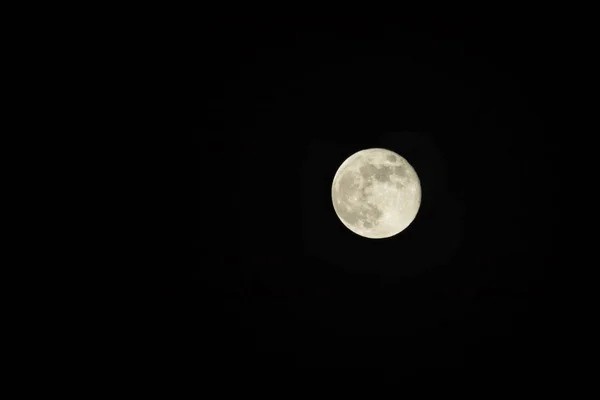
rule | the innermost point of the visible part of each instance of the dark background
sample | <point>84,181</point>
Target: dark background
<point>274,278</point>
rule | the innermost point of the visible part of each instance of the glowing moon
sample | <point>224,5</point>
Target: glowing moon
<point>376,193</point>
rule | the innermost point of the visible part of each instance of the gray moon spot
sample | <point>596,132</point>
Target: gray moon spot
<point>376,193</point>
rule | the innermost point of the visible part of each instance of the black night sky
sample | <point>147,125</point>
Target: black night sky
<point>275,279</point>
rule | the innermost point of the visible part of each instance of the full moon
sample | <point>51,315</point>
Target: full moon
<point>376,193</point>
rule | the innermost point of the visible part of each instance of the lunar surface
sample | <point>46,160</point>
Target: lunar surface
<point>376,193</point>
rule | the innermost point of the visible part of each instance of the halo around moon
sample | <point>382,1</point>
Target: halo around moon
<point>376,193</point>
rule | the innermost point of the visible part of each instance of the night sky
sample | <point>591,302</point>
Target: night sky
<point>275,279</point>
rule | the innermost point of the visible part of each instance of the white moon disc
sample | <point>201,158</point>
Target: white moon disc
<point>376,193</point>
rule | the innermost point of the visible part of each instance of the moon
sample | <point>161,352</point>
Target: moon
<point>376,193</point>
